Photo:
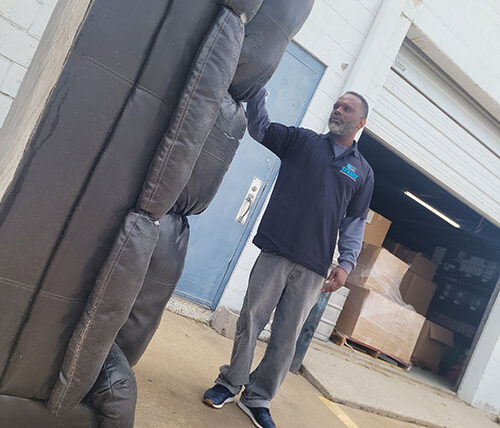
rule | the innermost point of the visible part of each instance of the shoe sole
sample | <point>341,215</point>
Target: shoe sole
<point>209,402</point>
<point>249,414</point>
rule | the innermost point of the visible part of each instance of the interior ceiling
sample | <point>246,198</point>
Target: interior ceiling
<point>415,226</point>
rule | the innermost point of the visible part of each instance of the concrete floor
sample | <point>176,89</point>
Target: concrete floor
<point>183,360</point>
<point>362,383</point>
<point>431,379</point>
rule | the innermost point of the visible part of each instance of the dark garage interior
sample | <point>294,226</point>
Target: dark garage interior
<point>467,256</point>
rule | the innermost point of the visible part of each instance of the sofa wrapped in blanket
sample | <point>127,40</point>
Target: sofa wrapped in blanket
<point>137,135</point>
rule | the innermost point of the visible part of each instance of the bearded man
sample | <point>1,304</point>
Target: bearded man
<point>323,190</point>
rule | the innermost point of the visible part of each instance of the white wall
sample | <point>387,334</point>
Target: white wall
<point>22,23</point>
<point>334,33</point>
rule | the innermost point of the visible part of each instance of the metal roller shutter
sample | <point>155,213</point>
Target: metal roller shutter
<point>421,115</point>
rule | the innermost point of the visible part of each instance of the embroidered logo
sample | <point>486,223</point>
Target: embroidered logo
<point>350,171</point>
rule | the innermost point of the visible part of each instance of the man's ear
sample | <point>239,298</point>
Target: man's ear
<point>361,123</point>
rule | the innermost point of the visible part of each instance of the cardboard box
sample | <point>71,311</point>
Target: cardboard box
<point>376,228</point>
<point>371,319</point>
<point>379,270</point>
<point>393,246</point>
<point>457,326</point>
<point>432,343</point>
<point>417,291</point>
<point>419,264</point>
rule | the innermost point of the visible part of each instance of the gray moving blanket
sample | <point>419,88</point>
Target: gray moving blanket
<point>138,133</point>
<point>278,22</point>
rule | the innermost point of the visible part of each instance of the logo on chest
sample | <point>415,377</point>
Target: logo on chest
<point>350,171</point>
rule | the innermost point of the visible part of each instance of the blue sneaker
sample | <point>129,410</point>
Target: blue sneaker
<point>217,396</point>
<point>260,416</point>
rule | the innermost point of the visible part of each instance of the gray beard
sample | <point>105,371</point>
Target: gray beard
<point>341,129</point>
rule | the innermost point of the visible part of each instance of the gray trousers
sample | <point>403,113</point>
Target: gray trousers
<point>275,283</point>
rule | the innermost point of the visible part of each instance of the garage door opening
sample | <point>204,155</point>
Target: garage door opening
<point>466,256</point>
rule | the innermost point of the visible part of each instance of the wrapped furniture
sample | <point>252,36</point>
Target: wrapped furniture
<point>137,134</point>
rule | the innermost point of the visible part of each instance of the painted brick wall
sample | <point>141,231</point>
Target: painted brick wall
<point>334,33</point>
<point>22,23</point>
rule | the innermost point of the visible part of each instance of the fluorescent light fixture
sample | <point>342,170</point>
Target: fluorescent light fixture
<point>432,209</point>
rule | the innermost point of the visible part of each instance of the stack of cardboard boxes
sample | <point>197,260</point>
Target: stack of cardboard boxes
<point>389,296</point>
<point>432,343</point>
<point>417,289</point>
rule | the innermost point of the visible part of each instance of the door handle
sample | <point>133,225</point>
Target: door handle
<point>248,200</point>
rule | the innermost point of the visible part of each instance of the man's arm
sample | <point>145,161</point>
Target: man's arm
<point>351,234</point>
<point>276,137</point>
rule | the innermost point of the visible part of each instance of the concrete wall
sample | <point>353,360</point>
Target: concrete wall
<point>22,23</point>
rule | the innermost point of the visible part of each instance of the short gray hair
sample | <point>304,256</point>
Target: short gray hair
<point>363,101</point>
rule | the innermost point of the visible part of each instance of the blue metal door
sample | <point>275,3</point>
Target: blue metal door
<point>217,239</point>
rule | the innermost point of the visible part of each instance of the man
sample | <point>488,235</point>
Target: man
<point>324,188</point>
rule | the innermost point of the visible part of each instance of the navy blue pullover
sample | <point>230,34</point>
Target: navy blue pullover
<point>321,187</point>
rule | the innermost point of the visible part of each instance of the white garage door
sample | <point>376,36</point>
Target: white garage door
<point>429,122</point>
